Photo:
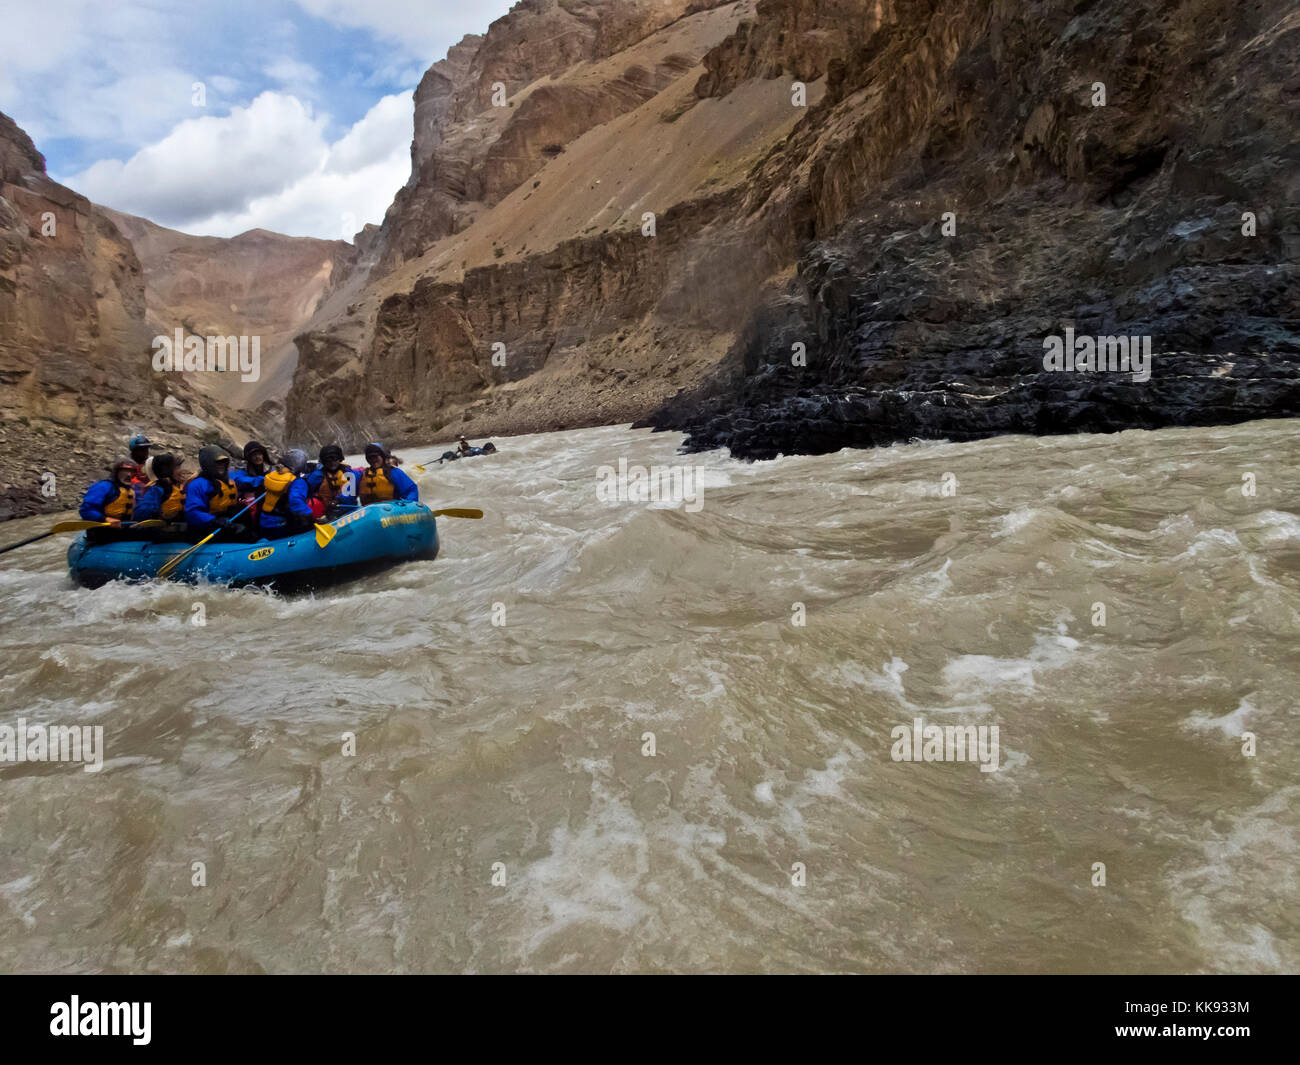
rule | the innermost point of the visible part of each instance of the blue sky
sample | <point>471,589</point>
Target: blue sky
<point>305,123</point>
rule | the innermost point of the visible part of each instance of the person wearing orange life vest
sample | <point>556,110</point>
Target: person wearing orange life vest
<point>383,481</point>
<point>212,497</point>
<point>112,500</point>
<point>333,484</point>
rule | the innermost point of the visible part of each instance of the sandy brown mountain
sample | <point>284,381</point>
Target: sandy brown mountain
<point>76,376</point>
<point>256,284</point>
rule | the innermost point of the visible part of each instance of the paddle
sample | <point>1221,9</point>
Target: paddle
<point>78,526</point>
<point>169,567</point>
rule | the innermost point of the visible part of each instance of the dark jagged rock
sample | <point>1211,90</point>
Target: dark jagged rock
<point>1170,213</point>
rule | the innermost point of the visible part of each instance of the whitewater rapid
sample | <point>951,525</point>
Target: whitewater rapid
<point>501,811</point>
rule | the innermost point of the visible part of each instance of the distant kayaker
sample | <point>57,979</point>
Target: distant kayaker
<point>463,445</point>
<point>334,484</point>
<point>112,500</point>
<point>212,497</point>
<point>383,481</point>
<point>285,509</point>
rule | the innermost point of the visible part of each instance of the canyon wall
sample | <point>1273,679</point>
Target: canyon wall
<point>76,378</point>
<point>1112,169</point>
<point>793,225</point>
<point>574,256</point>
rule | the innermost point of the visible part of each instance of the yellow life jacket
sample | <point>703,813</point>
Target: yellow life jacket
<point>173,504</point>
<point>224,500</point>
<point>332,485</point>
<point>121,507</point>
<point>276,484</point>
<point>376,487</point>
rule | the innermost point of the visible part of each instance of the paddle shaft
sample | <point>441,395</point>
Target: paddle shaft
<point>77,526</point>
<point>169,567</point>
<point>24,543</point>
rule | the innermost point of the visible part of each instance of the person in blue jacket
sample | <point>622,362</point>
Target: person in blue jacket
<point>257,463</point>
<point>383,481</point>
<point>212,498</point>
<point>285,509</point>
<point>334,484</point>
<point>165,497</point>
<point>113,500</point>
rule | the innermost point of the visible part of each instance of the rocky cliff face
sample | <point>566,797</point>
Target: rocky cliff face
<point>583,209</point>
<point>967,177</point>
<point>75,360</point>
<point>495,111</point>
<point>1164,211</point>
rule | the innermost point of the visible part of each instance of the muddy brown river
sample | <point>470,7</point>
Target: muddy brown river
<point>606,734</point>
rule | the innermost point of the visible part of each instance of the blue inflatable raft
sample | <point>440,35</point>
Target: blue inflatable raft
<point>367,539</point>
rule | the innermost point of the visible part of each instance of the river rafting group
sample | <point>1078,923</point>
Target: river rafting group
<point>289,522</point>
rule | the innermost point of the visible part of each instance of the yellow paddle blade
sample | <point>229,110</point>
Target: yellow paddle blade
<point>82,526</point>
<point>421,469</point>
<point>458,513</point>
<point>324,534</point>
<point>169,567</point>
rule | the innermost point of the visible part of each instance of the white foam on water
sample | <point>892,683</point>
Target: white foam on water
<point>1214,542</point>
<point>941,581</point>
<point>1050,651</point>
<point>1008,762</point>
<point>1251,869</point>
<point>1232,724</point>
<point>15,894</point>
<point>1013,522</point>
<point>1278,526</point>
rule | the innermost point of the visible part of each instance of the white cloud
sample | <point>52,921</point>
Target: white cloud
<point>211,165</point>
<point>224,85</point>
<point>424,29</point>
<point>266,166</point>
<point>387,126</point>
<point>291,72</point>
<point>79,68</point>
<point>113,82</point>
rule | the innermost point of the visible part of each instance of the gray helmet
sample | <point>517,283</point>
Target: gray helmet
<point>295,460</point>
